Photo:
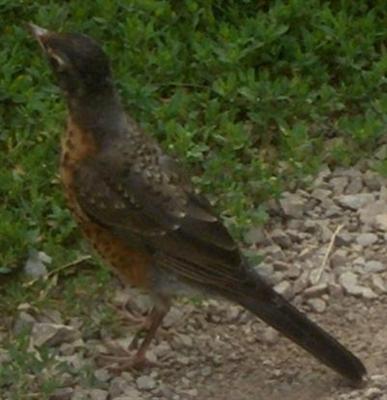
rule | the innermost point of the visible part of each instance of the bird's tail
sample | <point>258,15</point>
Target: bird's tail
<point>272,308</point>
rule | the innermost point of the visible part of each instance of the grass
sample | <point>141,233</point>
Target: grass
<point>248,96</point>
<point>253,96</point>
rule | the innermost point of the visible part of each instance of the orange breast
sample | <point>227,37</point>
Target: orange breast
<point>130,264</point>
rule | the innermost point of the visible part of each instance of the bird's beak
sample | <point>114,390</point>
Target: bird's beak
<point>40,34</point>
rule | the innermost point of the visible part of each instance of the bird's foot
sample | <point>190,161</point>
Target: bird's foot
<point>118,359</point>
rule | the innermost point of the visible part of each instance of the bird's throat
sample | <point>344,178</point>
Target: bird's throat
<point>101,114</point>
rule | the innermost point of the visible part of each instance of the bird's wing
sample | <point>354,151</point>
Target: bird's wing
<point>146,196</point>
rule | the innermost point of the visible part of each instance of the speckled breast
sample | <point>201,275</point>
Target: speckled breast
<point>128,263</point>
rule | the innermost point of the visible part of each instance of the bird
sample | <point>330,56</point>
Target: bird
<point>142,214</point>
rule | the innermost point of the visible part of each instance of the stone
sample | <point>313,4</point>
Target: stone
<point>344,238</point>
<point>35,267</point>
<point>378,283</point>
<point>339,184</point>
<point>301,283</point>
<point>368,293</point>
<point>293,271</point>
<point>185,340</point>
<point>162,349</point>
<point>371,180</point>
<point>372,214</point>
<point>119,386</point>
<point>355,201</point>
<point>102,375</point>
<point>62,394</point>
<point>381,221</point>
<point>381,153</point>
<point>292,205</point>
<point>320,194</point>
<point>281,238</point>
<point>270,336</point>
<point>145,382</point>
<point>98,394</point>
<point>355,185</point>
<point>284,288</point>
<point>206,371</point>
<point>374,266</point>
<point>173,317</point>
<point>373,393</point>
<point>131,394</point>
<point>317,305</point>
<point>255,236</point>
<point>53,334</point>
<point>366,239</point>
<point>348,280</point>
<point>338,258</point>
<point>23,323</point>
<point>316,290</point>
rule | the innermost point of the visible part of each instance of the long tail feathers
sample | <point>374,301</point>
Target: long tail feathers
<point>284,317</point>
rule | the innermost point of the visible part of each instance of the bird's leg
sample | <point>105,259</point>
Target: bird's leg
<point>124,358</point>
<point>156,317</point>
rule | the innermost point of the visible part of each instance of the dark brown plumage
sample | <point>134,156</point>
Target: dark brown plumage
<point>144,217</point>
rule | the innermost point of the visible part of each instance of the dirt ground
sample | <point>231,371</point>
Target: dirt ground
<point>324,249</point>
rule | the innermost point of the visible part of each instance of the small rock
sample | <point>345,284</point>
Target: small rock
<point>355,185</point>
<point>343,239</point>
<point>35,267</point>
<point>324,232</point>
<point>317,305</point>
<point>284,288</point>
<point>4,356</point>
<point>338,258</point>
<point>62,394</point>
<point>255,236</point>
<point>270,336</point>
<point>381,221</point>
<point>191,392</point>
<point>381,153</point>
<point>366,239</point>
<point>355,201</point>
<point>232,313</point>
<point>102,375</point>
<point>368,293</point>
<point>162,349</point>
<point>301,283</point>
<point>320,194</point>
<point>374,266</point>
<point>206,371</point>
<point>53,334</point>
<point>373,393</point>
<point>348,281</point>
<point>24,323</point>
<point>173,317</point>
<point>265,270</point>
<point>185,340</point>
<point>378,283</point>
<point>293,271</point>
<point>131,394</point>
<point>371,180</point>
<point>292,205</point>
<point>145,382</point>
<point>119,386</point>
<point>316,290</point>
<point>339,184</point>
<point>98,394</point>
<point>281,238</point>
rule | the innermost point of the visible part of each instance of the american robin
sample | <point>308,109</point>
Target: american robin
<point>144,217</point>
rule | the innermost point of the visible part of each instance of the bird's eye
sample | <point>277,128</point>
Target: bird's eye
<point>56,61</point>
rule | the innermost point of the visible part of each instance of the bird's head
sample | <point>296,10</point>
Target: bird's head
<point>78,62</point>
